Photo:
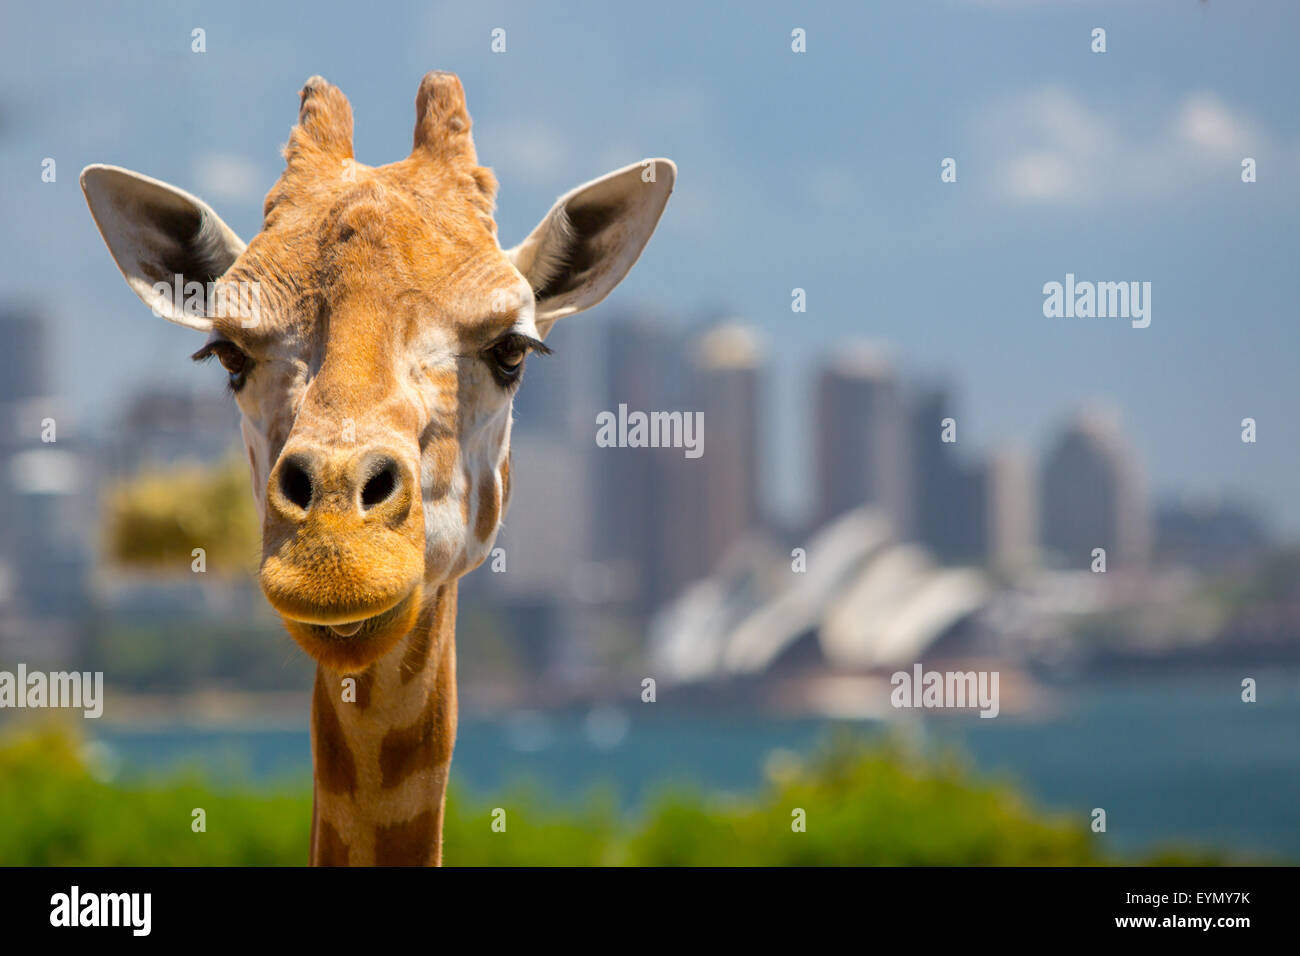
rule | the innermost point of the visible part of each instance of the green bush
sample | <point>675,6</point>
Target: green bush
<point>55,812</point>
<point>862,806</point>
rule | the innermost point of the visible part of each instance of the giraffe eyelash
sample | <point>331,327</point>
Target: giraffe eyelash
<point>524,342</point>
<point>233,359</point>
<point>508,377</point>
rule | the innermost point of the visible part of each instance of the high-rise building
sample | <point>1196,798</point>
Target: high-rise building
<point>727,365</point>
<point>599,528</point>
<point>637,542</point>
<point>45,502</point>
<point>1094,495</point>
<point>24,356</point>
<point>861,443</point>
<point>942,519</point>
<point>1013,509</point>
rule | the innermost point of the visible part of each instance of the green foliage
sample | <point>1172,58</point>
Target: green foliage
<point>55,812</point>
<point>155,520</point>
<point>864,805</point>
<point>536,834</point>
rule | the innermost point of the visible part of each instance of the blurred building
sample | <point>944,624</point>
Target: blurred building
<point>641,551</point>
<point>867,601</point>
<point>723,494</point>
<point>593,534</point>
<point>560,389</point>
<point>165,426</point>
<point>1012,509</point>
<point>860,438</point>
<point>526,586</point>
<point>1094,495</point>
<point>951,500</point>
<point>547,527</point>
<point>46,503</point>
<point>1209,533</point>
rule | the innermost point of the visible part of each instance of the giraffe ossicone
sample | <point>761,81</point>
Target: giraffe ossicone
<point>375,383</point>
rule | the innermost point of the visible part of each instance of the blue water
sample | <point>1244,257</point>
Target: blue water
<point>1170,758</point>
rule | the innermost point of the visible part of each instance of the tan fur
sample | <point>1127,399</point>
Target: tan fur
<point>385,764</point>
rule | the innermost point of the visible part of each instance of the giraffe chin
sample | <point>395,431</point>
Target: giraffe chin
<point>375,637</point>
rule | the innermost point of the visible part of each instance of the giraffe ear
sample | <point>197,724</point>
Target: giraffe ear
<point>591,238</point>
<point>161,238</point>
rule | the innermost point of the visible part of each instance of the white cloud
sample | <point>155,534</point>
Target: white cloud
<point>1049,146</point>
<point>1205,121</point>
<point>1041,176</point>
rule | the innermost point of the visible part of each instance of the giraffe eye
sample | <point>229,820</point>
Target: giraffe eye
<point>506,357</point>
<point>509,356</point>
<point>232,359</point>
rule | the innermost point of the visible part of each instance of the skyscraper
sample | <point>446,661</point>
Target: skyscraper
<point>45,502</point>
<point>727,363</point>
<point>1094,495</point>
<point>951,495</point>
<point>1013,509</point>
<point>636,532</point>
<point>861,444</point>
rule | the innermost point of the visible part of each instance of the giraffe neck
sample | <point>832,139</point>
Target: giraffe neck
<point>381,755</point>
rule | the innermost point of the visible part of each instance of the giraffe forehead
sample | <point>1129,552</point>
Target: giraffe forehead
<point>395,293</point>
<point>389,236</point>
<point>367,321</point>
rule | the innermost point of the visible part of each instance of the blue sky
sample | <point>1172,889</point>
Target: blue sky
<point>817,170</point>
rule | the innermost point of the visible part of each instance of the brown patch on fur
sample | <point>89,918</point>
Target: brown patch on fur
<point>315,823</point>
<point>412,843</point>
<point>445,451</point>
<point>364,681</point>
<point>464,498</point>
<point>505,482</point>
<point>423,745</point>
<point>330,848</point>
<point>336,770</point>
<point>442,558</point>
<point>489,508</point>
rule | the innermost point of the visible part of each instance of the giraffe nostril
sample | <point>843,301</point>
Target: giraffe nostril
<point>380,486</point>
<point>295,484</point>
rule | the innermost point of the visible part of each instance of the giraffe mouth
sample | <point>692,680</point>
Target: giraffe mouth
<point>362,627</point>
<point>355,644</point>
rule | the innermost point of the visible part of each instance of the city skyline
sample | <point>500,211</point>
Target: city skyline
<point>964,505</point>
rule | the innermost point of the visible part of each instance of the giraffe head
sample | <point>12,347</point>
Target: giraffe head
<point>374,333</point>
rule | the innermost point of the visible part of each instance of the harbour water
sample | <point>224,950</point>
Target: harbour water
<point>1173,758</point>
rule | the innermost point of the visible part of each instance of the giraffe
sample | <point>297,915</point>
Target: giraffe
<point>375,375</point>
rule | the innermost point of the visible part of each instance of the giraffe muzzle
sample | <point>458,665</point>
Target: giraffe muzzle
<point>343,549</point>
